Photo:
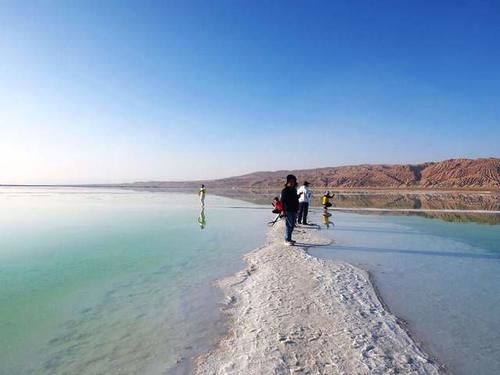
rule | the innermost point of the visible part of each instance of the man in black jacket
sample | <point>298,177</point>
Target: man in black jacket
<point>290,203</point>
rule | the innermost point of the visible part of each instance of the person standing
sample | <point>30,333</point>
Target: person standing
<point>305,196</point>
<point>290,204</point>
<point>202,194</point>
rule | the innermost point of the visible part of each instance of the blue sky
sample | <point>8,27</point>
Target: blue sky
<point>112,91</point>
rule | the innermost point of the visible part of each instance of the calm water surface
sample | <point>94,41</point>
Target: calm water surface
<point>101,281</point>
<point>116,281</point>
<point>443,278</point>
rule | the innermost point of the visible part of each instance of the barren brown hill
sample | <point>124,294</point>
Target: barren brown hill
<point>463,173</point>
<point>477,174</point>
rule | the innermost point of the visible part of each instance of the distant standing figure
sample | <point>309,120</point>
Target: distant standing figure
<point>202,194</point>
<point>325,200</point>
<point>305,196</point>
<point>290,204</point>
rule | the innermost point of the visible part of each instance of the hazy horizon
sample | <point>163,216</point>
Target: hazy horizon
<point>129,91</point>
<point>217,178</point>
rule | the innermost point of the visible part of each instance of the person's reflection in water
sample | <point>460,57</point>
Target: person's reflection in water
<point>201,219</point>
<point>326,219</point>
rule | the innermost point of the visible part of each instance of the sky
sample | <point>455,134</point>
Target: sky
<point>121,91</point>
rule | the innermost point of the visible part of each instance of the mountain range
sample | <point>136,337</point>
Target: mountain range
<point>459,174</point>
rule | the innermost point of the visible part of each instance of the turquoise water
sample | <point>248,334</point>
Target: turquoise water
<point>112,281</point>
<point>442,278</point>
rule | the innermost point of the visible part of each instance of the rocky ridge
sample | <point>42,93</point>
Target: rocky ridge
<point>475,174</point>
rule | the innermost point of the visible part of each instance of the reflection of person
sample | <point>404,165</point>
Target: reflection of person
<point>325,200</point>
<point>290,204</point>
<point>201,219</point>
<point>305,196</point>
<point>326,219</point>
<point>202,193</point>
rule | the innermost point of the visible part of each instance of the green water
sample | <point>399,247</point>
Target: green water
<point>100,281</point>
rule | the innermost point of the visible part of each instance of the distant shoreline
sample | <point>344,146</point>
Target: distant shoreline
<point>455,206</point>
<point>429,210</point>
<point>452,175</point>
<point>416,190</point>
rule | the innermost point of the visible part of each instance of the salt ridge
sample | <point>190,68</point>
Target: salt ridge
<point>292,313</point>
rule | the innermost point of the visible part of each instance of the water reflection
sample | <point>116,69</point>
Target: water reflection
<point>492,218</point>
<point>453,254</point>
<point>420,200</point>
<point>202,219</point>
<point>389,200</point>
<point>327,222</point>
<point>394,200</point>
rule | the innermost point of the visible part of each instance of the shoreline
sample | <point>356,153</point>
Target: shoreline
<point>290,312</point>
<point>272,189</point>
<point>442,367</point>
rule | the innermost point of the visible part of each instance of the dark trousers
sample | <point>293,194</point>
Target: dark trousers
<point>289,224</point>
<point>303,208</point>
